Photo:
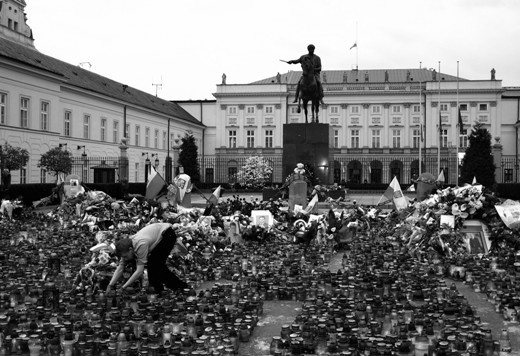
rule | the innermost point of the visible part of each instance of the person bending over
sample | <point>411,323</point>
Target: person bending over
<point>150,246</point>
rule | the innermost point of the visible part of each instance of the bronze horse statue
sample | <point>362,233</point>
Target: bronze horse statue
<point>309,91</point>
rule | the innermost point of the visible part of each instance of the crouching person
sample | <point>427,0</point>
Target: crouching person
<point>149,247</point>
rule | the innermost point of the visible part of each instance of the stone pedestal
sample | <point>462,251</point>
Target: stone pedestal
<point>297,194</point>
<point>307,144</point>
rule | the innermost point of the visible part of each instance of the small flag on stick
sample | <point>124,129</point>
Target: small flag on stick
<point>215,196</point>
<point>441,178</point>
<point>354,45</point>
<point>312,203</point>
<point>395,194</point>
<point>155,184</point>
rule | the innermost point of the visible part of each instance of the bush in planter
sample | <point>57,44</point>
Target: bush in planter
<point>255,173</point>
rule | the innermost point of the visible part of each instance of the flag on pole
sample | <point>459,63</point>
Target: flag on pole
<point>215,196</point>
<point>155,184</point>
<point>461,124</point>
<point>354,45</point>
<point>474,180</point>
<point>312,203</point>
<point>440,178</point>
<point>395,194</point>
<point>422,133</point>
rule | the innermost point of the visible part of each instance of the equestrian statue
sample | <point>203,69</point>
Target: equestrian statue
<point>309,86</point>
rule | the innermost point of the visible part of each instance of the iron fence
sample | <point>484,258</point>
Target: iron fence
<point>352,168</point>
<point>342,168</point>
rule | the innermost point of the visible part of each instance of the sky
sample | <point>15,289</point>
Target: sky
<point>187,45</point>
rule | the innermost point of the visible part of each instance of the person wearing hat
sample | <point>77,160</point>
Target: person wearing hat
<point>149,247</point>
<point>316,61</point>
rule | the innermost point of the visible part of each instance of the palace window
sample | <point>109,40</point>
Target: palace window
<point>250,138</point>
<point>137,135</point>
<point>396,109</point>
<point>156,139</point>
<point>146,137</point>
<point>376,109</point>
<point>482,107</point>
<point>24,112</point>
<point>268,109</point>
<point>416,138</point>
<point>376,138</point>
<point>44,115</point>
<point>354,138</point>
<point>444,138</point>
<point>444,107</point>
<point>115,132</point>
<point>66,123</point>
<point>463,138</point>
<point>232,135</point>
<point>268,138</point>
<point>396,138</point>
<point>336,138</point>
<point>86,126</point>
<point>103,133</point>
<point>3,108</point>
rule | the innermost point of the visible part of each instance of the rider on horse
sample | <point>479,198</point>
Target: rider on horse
<point>316,61</point>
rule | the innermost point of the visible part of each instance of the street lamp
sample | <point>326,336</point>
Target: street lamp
<point>84,157</point>
<point>156,155</point>
<point>175,149</point>
<point>146,166</point>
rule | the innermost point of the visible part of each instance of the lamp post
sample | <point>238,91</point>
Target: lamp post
<point>85,162</point>
<point>146,166</point>
<point>156,162</point>
<point>175,152</point>
<point>168,162</point>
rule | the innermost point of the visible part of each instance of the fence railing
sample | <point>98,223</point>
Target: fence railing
<point>355,169</point>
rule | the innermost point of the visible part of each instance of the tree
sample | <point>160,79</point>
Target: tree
<point>478,160</point>
<point>188,157</point>
<point>255,173</point>
<point>56,161</point>
<point>13,158</point>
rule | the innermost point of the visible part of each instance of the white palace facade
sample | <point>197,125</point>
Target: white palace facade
<point>375,119</point>
<point>376,116</point>
<point>47,103</point>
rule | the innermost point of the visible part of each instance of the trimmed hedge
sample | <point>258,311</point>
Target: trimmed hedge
<point>28,192</point>
<point>508,190</point>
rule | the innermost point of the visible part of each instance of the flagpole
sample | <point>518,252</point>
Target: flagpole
<point>420,122</point>
<point>457,133</point>
<point>356,46</point>
<point>440,123</point>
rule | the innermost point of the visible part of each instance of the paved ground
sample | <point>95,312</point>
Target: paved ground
<point>278,313</point>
